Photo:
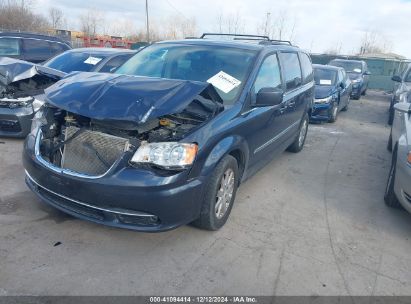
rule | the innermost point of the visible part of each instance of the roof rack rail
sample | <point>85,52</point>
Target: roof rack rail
<point>253,37</point>
<point>275,41</point>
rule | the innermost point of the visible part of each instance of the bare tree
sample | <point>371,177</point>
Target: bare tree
<point>19,15</point>
<point>374,42</point>
<point>123,28</point>
<point>56,17</point>
<point>281,26</point>
<point>230,24</point>
<point>91,22</point>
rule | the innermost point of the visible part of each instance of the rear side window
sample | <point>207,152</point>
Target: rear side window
<point>111,65</point>
<point>9,47</point>
<point>408,76</point>
<point>292,71</point>
<point>269,75</point>
<point>36,50</point>
<point>307,68</point>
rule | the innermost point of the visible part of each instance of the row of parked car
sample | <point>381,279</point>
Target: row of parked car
<point>165,136</point>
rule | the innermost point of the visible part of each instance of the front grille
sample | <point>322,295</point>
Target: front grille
<point>91,152</point>
<point>10,125</point>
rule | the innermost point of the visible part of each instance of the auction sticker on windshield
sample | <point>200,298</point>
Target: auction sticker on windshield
<point>92,60</point>
<point>224,82</point>
<point>325,82</point>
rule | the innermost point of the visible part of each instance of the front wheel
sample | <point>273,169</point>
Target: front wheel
<point>346,106</point>
<point>219,195</point>
<point>390,198</point>
<point>389,143</point>
<point>334,112</point>
<point>298,143</point>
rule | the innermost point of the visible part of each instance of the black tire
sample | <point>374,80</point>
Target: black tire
<point>298,144</point>
<point>390,198</point>
<point>391,116</point>
<point>334,113</point>
<point>346,107</point>
<point>208,219</point>
<point>389,143</point>
<point>364,93</point>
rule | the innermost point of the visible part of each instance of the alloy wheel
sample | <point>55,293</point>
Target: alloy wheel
<point>225,193</point>
<point>303,132</point>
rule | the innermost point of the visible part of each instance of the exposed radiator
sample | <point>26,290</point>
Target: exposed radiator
<point>91,152</point>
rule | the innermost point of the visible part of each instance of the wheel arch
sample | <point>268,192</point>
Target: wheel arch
<point>235,146</point>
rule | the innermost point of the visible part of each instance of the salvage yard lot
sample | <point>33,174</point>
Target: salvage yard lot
<point>312,223</point>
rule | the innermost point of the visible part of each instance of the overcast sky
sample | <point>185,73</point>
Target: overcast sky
<point>320,24</point>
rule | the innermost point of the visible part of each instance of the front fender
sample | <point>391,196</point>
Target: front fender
<point>222,148</point>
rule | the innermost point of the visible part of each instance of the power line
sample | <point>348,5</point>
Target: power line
<point>177,10</point>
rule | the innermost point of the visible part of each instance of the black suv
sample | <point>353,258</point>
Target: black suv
<point>35,48</point>
<point>170,146</point>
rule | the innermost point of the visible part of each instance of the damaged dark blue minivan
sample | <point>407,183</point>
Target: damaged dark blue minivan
<point>167,140</point>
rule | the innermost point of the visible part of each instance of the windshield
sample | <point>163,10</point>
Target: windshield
<point>348,66</point>
<point>408,76</point>
<point>75,61</point>
<point>193,62</point>
<point>325,76</point>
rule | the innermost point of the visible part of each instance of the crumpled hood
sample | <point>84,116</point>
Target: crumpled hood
<point>12,70</point>
<point>321,91</point>
<point>123,98</point>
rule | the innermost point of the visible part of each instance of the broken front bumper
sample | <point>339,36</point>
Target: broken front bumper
<point>321,112</point>
<point>15,122</point>
<point>126,197</point>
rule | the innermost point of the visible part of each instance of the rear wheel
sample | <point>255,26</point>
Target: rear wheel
<point>219,195</point>
<point>389,144</point>
<point>298,143</point>
<point>389,197</point>
<point>391,115</point>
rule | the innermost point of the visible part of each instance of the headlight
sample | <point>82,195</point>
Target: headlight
<point>404,97</point>
<point>324,100</point>
<point>170,155</point>
<point>37,121</point>
<point>37,104</point>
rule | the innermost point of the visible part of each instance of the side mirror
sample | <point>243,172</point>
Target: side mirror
<point>269,97</point>
<point>342,85</point>
<point>403,107</point>
<point>396,78</point>
<point>367,73</point>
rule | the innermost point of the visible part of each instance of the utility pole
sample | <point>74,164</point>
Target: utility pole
<point>147,23</point>
<point>266,23</point>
